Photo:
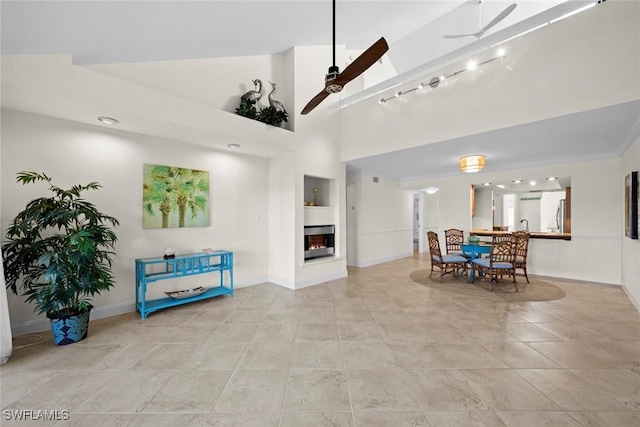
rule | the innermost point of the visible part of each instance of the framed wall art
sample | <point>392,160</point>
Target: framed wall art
<point>174,197</point>
<point>631,205</point>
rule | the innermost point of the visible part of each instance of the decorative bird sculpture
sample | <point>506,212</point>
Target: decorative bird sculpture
<point>253,96</point>
<point>276,105</point>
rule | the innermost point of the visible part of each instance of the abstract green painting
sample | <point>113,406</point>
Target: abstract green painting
<point>174,197</point>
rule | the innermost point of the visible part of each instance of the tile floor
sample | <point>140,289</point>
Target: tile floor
<point>374,349</point>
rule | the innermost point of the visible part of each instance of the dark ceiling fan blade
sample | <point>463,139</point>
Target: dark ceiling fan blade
<point>499,18</point>
<point>363,62</point>
<point>357,67</point>
<point>315,101</point>
<point>335,80</point>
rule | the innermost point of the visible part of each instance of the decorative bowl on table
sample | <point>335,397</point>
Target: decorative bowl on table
<point>473,240</point>
<point>186,293</point>
<point>169,253</point>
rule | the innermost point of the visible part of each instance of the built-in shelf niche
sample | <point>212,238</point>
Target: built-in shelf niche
<point>322,197</point>
<point>323,212</point>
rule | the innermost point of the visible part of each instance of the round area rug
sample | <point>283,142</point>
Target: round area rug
<point>536,290</point>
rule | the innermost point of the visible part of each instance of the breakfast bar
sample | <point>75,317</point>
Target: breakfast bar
<point>532,235</point>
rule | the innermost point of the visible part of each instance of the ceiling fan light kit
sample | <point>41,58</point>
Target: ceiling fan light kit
<point>335,81</point>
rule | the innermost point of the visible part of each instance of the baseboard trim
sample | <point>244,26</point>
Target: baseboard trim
<point>318,280</point>
<point>381,260</point>
<point>43,324</point>
<point>635,303</point>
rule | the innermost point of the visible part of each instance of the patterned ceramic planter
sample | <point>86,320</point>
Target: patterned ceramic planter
<point>70,329</point>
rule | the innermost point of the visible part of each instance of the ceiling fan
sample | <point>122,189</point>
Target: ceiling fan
<point>484,29</point>
<point>335,81</point>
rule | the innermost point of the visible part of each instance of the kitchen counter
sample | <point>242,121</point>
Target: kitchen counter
<point>532,235</point>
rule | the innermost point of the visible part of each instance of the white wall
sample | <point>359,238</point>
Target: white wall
<point>594,253</point>
<point>483,218</point>
<point>431,209</point>
<point>537,65</point>
<point>549,208</point>
<point>384,214</point>
<point>200,80</point>
<point>630,248</point>
<point>73,153</point>
<point>282,248</point>
<point>317,154</point>
<point>528,207</point>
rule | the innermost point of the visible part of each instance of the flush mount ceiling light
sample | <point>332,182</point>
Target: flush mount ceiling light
<point>472,164</point>
<point>234,146</point>
<point>552,178</point>
<point>517,181</point>
<point>108,120</point>
<point>431,190</point>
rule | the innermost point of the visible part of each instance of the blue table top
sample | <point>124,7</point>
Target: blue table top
<point>475,249</point>
<point>475,246</point>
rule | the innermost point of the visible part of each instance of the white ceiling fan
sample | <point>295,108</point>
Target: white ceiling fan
<point>491,24</point>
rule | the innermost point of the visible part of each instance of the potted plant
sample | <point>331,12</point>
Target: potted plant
<point>58,253</point>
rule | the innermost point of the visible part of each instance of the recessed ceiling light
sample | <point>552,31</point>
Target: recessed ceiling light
<point>517,181</point>
<point>552,178</point>
<point>532,183</point>
<point>472,65</point>
<point>108,120</point>
<point>234,146</point>
<point>501,52</point>
<point>486,184</point>
<point>431,190</point>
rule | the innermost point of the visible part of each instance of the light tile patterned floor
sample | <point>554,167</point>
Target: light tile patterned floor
<point>374,349</point>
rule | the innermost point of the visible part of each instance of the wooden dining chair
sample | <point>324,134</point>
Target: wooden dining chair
<point>453,239</point>
<point>449,263</point>
<point>522,247</point>
<point>501,261</point>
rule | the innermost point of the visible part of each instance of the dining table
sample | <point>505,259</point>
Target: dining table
<point>473,251</point>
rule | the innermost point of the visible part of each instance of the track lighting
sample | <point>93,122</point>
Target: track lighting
<point>435,81</point>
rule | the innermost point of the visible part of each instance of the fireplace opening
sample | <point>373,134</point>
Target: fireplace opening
<point>319,241</point>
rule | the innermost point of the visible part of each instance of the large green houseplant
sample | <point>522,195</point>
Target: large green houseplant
<point>58,252</point>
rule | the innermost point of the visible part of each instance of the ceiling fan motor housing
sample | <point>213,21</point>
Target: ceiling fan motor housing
<point>333,73</point>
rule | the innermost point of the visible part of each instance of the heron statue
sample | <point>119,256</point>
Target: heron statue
<point>276,105</point>
<point>253,96</point>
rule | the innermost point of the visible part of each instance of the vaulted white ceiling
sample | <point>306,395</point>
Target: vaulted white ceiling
<point>99,32</point>
<point>131,31</point>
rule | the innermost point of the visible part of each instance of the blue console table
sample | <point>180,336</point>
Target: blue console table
<point>149,270</point>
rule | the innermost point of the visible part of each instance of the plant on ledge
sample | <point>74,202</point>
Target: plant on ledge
<point>59,253</point>
<point>247,109</point>
<point>271,116</point>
